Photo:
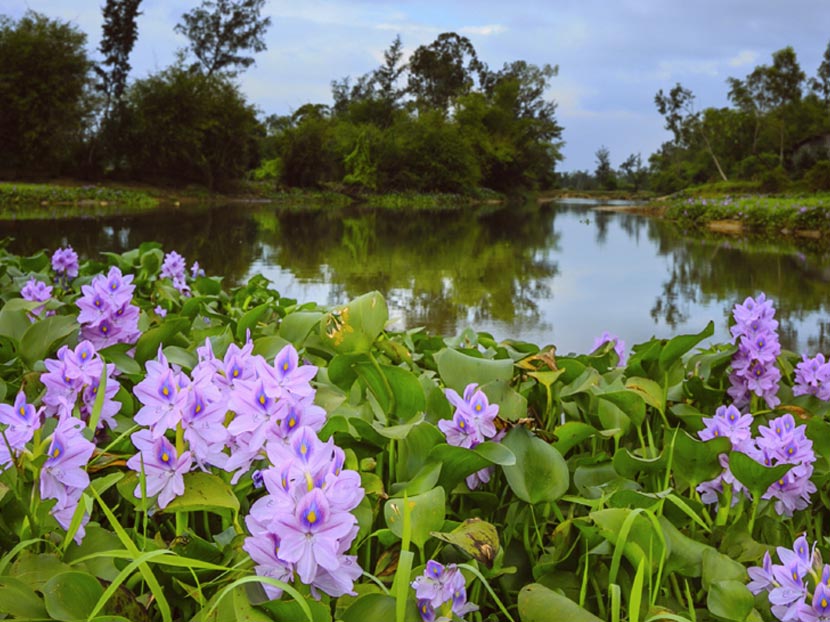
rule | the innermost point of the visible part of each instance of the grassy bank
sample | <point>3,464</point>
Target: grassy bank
<point>805,215</point>
<point>25,195</point>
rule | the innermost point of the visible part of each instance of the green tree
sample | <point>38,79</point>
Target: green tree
<point>185,126</point>
<point>119,34</point>
<point>44,103</point>
<point>220,30</point>
<point>604,172</point>
<point>443,70</point>
<point>820,84</point>
<point>677,107</point>
<point>634,171</point>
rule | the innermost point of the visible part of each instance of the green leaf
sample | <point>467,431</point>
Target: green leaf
<point>459,462</point>
<point>715,566</point>
<point>204,491</point>
<point>681,344</point>
<point>630,465</point>
<point>71,596</point>
<point>148,344</point>
<point>296,326</point>
<point>249,320</point>
<point>572,433</point>
<point>697,461</point>
<point>117,355</point>
<point>18,599</point>
<point>284,610</point>
<point>427,513</point>
<point>13,320</point>
<point>631,403</point>
<point>36,343</point>
<point>457,369</point>
<point>538,603</point>
<point>649,390</point>
<point>540,473</point>
<point>478,538</point>
<point>379,608</point>
<point>397,390</point>
<point>730,600</point>
<point>754,475</point>
<point>353,327</point>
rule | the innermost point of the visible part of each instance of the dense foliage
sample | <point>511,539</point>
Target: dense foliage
<point>177,451</point>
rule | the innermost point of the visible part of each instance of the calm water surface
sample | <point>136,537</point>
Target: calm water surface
<point>556,274</point>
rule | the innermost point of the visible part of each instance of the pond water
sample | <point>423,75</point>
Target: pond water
<point>552,274</point>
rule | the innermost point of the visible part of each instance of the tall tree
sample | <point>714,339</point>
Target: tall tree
<point>385,78</point>
<point>634,170</point>
<point>443,70</point>
<point>44,108</point>
<point>119,35</point>
<point>677,107</point>
<point>820,85</point>
<point>604,173</point>
<point>221,30</point>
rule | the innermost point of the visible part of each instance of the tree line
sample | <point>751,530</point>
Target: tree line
<point>439,121</point>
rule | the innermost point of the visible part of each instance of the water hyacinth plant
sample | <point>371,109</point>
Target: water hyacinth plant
<point>209,453</point>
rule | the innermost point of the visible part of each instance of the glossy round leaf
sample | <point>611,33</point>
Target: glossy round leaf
<point>540,474</point>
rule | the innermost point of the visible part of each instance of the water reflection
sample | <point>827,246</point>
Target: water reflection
<point>552,274</point>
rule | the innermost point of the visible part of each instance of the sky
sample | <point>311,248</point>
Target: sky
<point>613,55</point>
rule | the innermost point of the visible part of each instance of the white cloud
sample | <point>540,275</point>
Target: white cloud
<point>484,31</point>
<point>744,57</point>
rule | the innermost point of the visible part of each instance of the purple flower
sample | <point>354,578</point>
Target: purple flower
<point>161,395</point>
<point>812,377</point>
<point>36,291</point>
<point>65,262</point>
<point>820,609</point>
<point>107,315</point>
<point>762,579</point>
<point>163,469</point>
<point>173,267</point>
<point>21,421</point>
<point>754,368</point>
<point>729,422</point>
<point>472,423</point>
<point>64,471</point>
<point>619,346</point>
<point>196,271</point>
<point>441,589</point>
<point>160,311</point>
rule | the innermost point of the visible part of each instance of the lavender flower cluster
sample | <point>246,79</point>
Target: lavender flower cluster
<point>812,377</point>
<point>781,442</point>
<point>441,593</point>
<point>788,584</point>
<point>174,268</point>
<point>754,369</point>
<point>37,291</point>
<point>473,422</point>
<point>107,314</point>
<point>619,346</point>
<point>303,525</point>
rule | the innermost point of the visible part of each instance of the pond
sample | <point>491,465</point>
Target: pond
<point>551,274</point>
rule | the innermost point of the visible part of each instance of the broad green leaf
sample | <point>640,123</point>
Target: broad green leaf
<point>459,462</point>
<point>268,347</point>
<point>572,433</point>
<point>686,557</point>
<point>414,449</point>
<point>35,570</point>
<point>478,538</point>
<point>636,532</point>
<point>649,390</point>
<point>424,480</point>
<point>38,340</point>
<point>123,362</point>
<point>730,600</point>
<point>457,369</point>
<point>282,610</point>
<point>181,357</point>
<point>630,465</point>
<point>717,567</point>
<point>427,513</point>
<point>96,541</point>
<point>540,473</point>
<point>538,603</point>
<point>754,475</point>
<point>681,344</point>
<point>295,327</point>
<point>148,344</point>
<point>629,402</point>
<point>204,491</point>
<point>13,320</point>
<point>697,461</point>
<point>353,327</point>
<point>397,390</point>
<point>20,600</point>
<point>249,320</point>
<point>379,608</point>
<point>71,596</point>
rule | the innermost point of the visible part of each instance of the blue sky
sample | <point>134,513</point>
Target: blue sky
<point>613,55</point>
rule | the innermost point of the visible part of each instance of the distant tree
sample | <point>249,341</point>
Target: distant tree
<point>185,126</point>
<point>44,108</point>
<point>443,70</point>
<point>820,85</point>
<point>119,34</point>
<point>220,30</point>
<point>386,77</point>
<point>604,173</point>
<point>677,107</point>
<point>634,171</point>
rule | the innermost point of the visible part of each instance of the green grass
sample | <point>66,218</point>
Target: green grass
<point>13,195</point>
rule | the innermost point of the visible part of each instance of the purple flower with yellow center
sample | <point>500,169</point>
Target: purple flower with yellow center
<point>65,262</point>
<point>36,291</point>
<point>311,535</point>
<point>812,377</point>
<point>762,579</point>
<point>21,421</point>
<point>163,469</point>
<point>264,550</point>
<point>441,590</point>
<point>820,609</point>
<point>68,454</point>
<point>161,396</point>
<point>729,422</point>
<point>287,373</point>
